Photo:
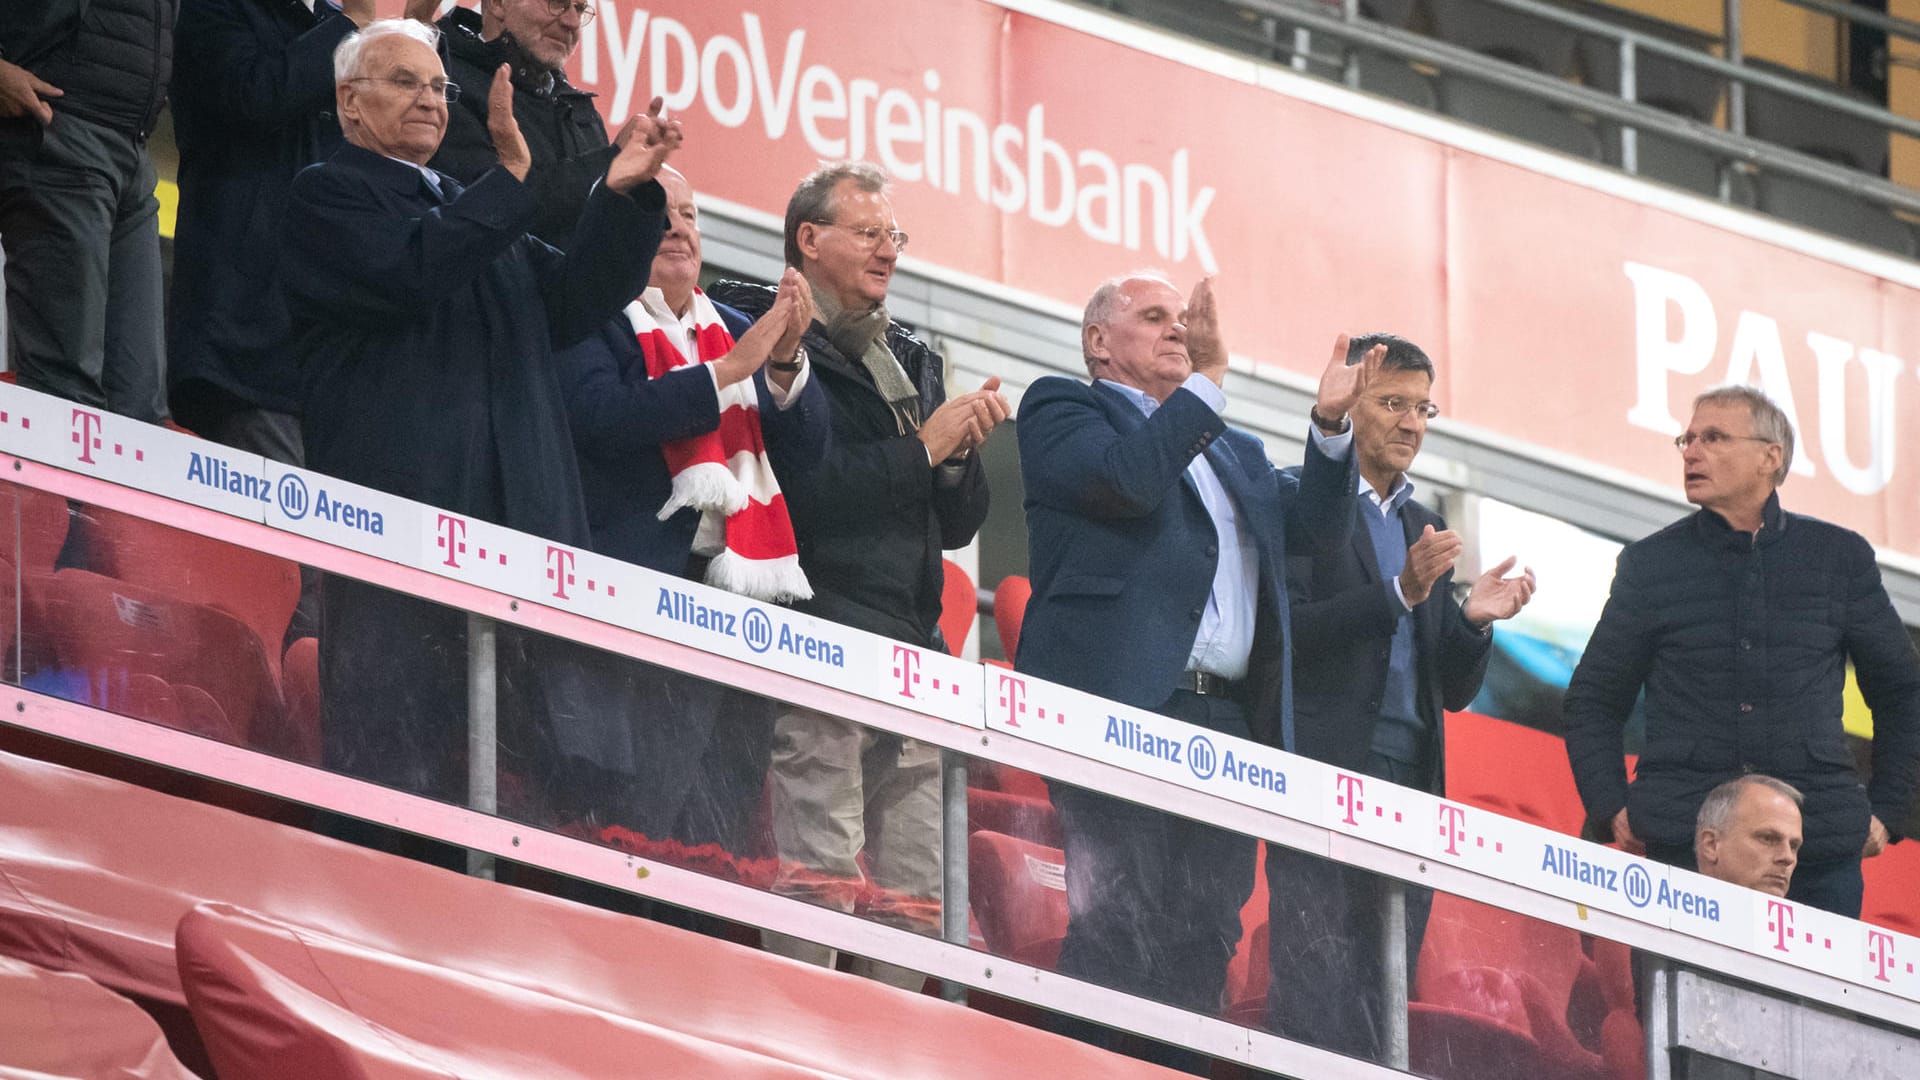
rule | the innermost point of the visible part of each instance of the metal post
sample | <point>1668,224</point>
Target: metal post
<point>1350,58</point>
<point>1393,967</point>
<point>954,888</point>
<point>1656,1014</point>
<point>483,777</point>
<point>1736,54</point>
<point>1629,92</point>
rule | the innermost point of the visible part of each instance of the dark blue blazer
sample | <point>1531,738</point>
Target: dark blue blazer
<point>1123,553</point>
<point>252,101</point>
<point>425,325</point>
<point>620,417</point>
<point>1344,618</point>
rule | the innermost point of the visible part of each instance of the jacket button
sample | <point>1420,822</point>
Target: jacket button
<point>1746,643</point>
<point>1744,707</point>
<point>1194,614</point>
<point>1213,550</point>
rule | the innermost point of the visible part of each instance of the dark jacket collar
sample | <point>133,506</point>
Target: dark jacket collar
<point>462,29</point>
<point>398,175</point>
<point>1714,529</point>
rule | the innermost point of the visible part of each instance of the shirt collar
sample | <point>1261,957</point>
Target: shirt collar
<point>1397,495</point>
<point>1141,400</point>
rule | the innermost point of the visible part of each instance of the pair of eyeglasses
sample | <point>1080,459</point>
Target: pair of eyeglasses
<point>557,8</point>
<point>1397,405</point>
<point>1711,438</point>
<point>871,235</point>
<point>412,87</point>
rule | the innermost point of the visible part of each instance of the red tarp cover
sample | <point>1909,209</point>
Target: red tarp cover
<point>102,872</point>
<point>60,1026</point>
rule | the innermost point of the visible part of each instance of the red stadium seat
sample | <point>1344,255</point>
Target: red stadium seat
<point>1475,1027</point>
<point>258,589</point>
<point>1893,888</point>
<point>95,875</point>
<point>57,1025</point>
<point>1010,610</point>
<point>1251,968</point>
<point>297,1004</point>
<point>103,633</point>
<point>1024,816</point>
<point>1020,896</point>
<point>299,737</point>
<point>959,606</point>
<point>42,529</point>
<point>1512,770</point>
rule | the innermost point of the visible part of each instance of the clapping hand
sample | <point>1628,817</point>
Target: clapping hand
<point>1496,596</point>
<point>963,423</point>
<point>509,146</point>
<point>650,141</point>
<point>1205,347</point>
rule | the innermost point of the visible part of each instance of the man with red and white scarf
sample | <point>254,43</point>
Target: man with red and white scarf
<point>679,410</point>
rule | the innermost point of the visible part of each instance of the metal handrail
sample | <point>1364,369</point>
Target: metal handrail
<point>1734,147</point>
<point>1905,28</point>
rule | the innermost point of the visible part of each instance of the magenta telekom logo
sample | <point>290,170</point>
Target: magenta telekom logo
<point>1352,799</point>
<point>1013,698</point>
<point>87,436</point>
<point>1780,921</point>
<point>1880,954</point>
<point>906,668</point>
<point>1453,827</point>
<point>560,570</point>
<point>453,539</point>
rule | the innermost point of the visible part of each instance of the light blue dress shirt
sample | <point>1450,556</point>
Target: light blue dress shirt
<point>1225,639</point>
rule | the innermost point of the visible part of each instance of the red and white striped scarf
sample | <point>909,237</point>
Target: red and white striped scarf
<point>724,474</point>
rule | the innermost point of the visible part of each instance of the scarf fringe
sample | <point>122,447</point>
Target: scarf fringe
<point>709,487</point>
<point>776,581</point>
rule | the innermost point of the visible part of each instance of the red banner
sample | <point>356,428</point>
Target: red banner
<point>1047,158</point>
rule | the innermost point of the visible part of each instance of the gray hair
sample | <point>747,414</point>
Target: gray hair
<point>346,55</point>
<point>813,199</point>
<point>1769,423</point>
<point>1717,811</point>
<point>1104,304</point>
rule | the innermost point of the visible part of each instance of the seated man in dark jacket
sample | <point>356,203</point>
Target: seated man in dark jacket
<point>1739,622</point>
<point>666,755</point>
<point>425,318</point>
<point>562,128</point>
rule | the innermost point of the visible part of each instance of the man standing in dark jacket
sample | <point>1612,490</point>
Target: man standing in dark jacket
<point>81,84</point>
<point>424,318</point>
<point>1739,622</point>
<point>900,483</point>
<point>252,106</point>
<point>1381,650</point>
<point>563,130</point>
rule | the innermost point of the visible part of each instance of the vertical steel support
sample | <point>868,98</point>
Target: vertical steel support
<point>1736,53</point>
<point>954,890</point>
<point>483,777</point>
<point>1656,1013</point>
<point>1629,92</point>
<point>1393,968</point>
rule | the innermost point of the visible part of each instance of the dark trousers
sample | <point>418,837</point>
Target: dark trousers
<point>1153,899</point>
<point>79,223</point>
<point>1834,885</point>
<point>276,437</point>
<point>1325,941</point>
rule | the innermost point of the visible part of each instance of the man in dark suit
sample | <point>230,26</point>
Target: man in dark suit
<point>424,318</point>
<point>1381,650</point>
<point>1158,537</point>
<point>667,755</point>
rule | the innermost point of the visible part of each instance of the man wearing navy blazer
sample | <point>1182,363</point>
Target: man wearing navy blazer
<point>1158,538</point>
<point>1382,648</point>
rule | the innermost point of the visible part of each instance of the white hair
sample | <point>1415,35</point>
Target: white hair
<point>346,55</point>
<point>1105,303</point>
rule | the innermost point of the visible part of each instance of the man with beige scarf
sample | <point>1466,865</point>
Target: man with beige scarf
<point>900,483</point>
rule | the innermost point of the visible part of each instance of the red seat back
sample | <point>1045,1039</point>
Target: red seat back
<point>299,735</point>
<point>1893,888</point>
<point>40,531</point>
<point>1020,896</point>
<point>57,1024</point>
<point>1512,770</point>
<point>258,589</point>
<point>1012,814</point>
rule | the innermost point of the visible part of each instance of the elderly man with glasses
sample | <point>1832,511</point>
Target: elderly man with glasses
<point>563,131</point>
<point>1382,648</point>
<point>425,318</point>
<point>1739,622</point>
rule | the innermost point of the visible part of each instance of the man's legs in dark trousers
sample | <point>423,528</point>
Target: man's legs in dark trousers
<point>80,224</point>
<point>276,437</point>
<point>1154,900</point>
<point>1324,935</point>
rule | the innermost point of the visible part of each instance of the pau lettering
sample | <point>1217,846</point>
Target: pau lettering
<point>1757,354</point>
<point>1013,167</point>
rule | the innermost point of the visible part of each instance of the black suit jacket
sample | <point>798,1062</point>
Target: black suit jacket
<point>1344,616</point>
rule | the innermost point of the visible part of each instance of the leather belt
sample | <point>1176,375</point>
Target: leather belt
<point>1207,684</point>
